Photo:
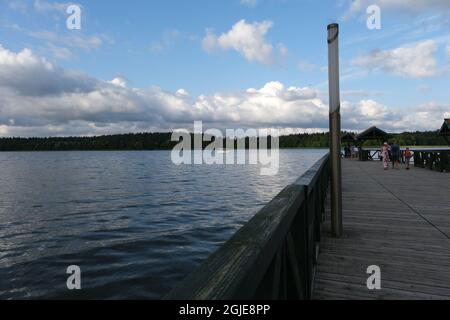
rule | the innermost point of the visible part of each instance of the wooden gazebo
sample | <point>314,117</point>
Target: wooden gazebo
<point>445,131</point>
<point>373,133</point>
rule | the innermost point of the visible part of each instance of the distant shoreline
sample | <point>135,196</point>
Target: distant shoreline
<point>167,150</point>
<point>162,141</point>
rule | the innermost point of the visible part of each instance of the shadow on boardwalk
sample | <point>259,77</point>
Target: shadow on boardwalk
<point>396,219</point>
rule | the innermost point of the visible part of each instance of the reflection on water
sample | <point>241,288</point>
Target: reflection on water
<point>135,223</point>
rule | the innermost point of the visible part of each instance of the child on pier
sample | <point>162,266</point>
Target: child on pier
<point>385,155</point>
<point>408,156</point>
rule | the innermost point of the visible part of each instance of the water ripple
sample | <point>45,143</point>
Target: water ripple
<point>135,223</point>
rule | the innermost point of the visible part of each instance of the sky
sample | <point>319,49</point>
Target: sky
<point>140,65</point>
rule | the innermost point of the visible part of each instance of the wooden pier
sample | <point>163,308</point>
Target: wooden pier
<point>398,220</point>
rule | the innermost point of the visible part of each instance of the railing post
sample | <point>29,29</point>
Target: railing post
<point>335,130</point>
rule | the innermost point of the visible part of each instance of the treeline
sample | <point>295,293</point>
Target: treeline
<point>411,139</point>
<point>140,141</point>
<point>162,141</point>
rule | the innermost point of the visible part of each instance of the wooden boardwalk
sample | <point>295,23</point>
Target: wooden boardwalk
<point>396,219</point>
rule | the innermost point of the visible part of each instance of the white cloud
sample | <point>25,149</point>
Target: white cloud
<point>35,93</point>
<point>182,93</point>
<point>28,75</point>
<point>246,38</point>
<point>367,113</point>
<point>119,81</point>
<point>448,51</point>
<point>413,61</point>
<point>371,109</point>
<point>250,3</point>
<point>38,98</point>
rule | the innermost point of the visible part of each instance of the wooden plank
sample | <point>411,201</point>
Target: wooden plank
<point>356,291</point>
<point>397,219</point>
<point>426,289</point>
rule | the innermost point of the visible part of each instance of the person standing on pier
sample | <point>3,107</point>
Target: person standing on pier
<point>395,152</point>
<point>385,155</point>
<point>408,156</point>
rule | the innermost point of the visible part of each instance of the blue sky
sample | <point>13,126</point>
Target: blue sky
<point>160,47</point>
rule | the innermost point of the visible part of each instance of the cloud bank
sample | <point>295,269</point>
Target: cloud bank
<point>39,98</point>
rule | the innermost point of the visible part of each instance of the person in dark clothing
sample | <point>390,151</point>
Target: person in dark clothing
<point>347,151</point>
<point>395,154</point>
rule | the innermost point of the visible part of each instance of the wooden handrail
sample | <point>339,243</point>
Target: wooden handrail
<point>274,255</point>
<point>438,160</point>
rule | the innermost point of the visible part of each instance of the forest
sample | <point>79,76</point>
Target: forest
<point>162,141</point>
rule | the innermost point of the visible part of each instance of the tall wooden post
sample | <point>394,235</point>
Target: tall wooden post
<point>335,130</point>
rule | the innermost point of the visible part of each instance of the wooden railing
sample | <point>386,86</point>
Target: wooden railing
<point>274,255</point>
<point>438,160</point>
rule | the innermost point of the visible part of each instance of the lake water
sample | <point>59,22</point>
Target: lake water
<point>135,223</point>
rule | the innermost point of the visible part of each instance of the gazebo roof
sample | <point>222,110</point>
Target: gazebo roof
<point>445,130</point>
<point>348,137</point>
<point>373,133</point>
